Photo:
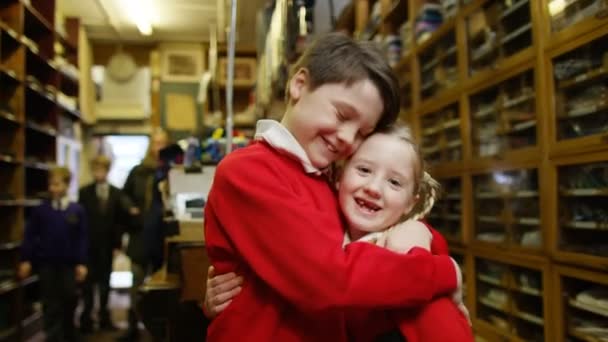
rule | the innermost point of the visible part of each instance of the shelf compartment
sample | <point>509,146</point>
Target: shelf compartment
<point>495,33</point>
<point>35,25</point>
<point>9,117</point>
<point>7,286</point>
<point>439,69</point>
<point>510,297</point>
<point>582,201</point>
<point>584,79</point>
<point>441,139</point>
<point>513,8</point>
<point>38,66</point>
<point>568,13</point>
<point>9,334</point>
<point>588,192</point>
<point>445,217</point>
<point>503,116</point>
<point>506,208</point>
<point>581,92</point>
<point>515,34</point>
<point>588,308</point>
<point>582,309</point>
<point>11,49</point>
<point>42,129</point>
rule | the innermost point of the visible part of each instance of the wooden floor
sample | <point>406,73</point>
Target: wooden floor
<point>119,305</point>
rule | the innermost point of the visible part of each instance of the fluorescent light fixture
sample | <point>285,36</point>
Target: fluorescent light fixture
<point>140,13</point>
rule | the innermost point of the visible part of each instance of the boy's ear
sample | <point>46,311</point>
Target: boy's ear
<point>298,84</point>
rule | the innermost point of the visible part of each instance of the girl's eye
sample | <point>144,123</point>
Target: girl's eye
<point>395,182</point>
<point>340,116</point>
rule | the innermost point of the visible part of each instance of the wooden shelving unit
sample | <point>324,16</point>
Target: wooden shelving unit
<point>39,80</point>
<point>509,101</point>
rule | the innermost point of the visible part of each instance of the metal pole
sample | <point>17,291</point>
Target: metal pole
<point>230,76</point>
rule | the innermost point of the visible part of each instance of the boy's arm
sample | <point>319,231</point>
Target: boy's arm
<point>289,245</point>
<point>32,230</point>
<point>83,243</point>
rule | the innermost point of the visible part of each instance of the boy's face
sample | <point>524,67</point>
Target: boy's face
<point>158,142</point>
<point>100,173</point>
<point>377,186</point>
<point>57,187</point>
<point>331,121</point>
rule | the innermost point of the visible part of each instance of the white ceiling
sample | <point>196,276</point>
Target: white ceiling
<point>172,20</point>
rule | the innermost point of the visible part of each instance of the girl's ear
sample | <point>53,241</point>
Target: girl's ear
<point>412,205</point>
<point>298,84</point>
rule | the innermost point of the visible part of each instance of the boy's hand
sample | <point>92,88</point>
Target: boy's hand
<point>221,290</point>
<point>404,236</point>
<point>24,270</point>
<point>81,273</point>
<point>134,211</point>
<point>457,295</point>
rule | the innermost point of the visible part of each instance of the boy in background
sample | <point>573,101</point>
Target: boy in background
<point>106,208</point>
<point>272,217</point>
<point>55,243</point>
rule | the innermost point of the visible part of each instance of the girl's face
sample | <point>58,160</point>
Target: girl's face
<point>377,185</point>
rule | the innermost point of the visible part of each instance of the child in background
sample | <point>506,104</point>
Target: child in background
<point>55,243</point>
<point>272,217</point>
<point>382,184</point>
<point>107,208</point>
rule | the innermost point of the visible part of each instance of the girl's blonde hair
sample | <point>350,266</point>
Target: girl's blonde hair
<point>426,188</point>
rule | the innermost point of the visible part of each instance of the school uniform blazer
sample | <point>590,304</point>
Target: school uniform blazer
<point>105,231</point>
<point>278,227</point>
<point>55,237</point>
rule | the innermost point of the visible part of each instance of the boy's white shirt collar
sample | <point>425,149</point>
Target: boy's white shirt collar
<point>280,138</point>
<point>64,202</point>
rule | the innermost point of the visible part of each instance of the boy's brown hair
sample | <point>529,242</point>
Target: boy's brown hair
<point>337,58</point>
<point>61,172</point>
<point>101,161</point>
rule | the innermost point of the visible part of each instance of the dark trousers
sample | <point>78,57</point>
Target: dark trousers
<point>59,297</point>
<point>99,276</point>
<point>139,274</point>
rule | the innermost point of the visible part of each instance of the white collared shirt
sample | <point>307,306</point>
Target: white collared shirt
<point>61,204</point>
<point>102,190</point>
<point>280,138</point>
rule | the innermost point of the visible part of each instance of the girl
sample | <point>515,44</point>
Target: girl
<point>381,185</point>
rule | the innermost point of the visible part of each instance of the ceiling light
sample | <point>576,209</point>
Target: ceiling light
<point>140,13</point>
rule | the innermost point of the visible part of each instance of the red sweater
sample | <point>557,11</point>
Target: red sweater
<point>279,228</point>
<point>437,321</point>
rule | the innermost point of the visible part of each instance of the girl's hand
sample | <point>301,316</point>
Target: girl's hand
<point>404,236</point>
<point>221,289</point>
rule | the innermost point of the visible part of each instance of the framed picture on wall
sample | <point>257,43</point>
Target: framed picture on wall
<point>183,64</point>
<point>244,71</point>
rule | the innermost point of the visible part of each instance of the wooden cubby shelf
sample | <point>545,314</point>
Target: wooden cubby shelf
<point>39,90</point>
<point>509,102</point>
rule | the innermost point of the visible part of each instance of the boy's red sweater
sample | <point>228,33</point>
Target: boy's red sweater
<point>279,227</point>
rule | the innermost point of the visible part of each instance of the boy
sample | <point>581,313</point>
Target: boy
<point>106,207</point>
<point>55,243</point>
<point>272,217</point>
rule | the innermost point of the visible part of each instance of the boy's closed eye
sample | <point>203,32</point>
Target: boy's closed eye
<point>364,170</point>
